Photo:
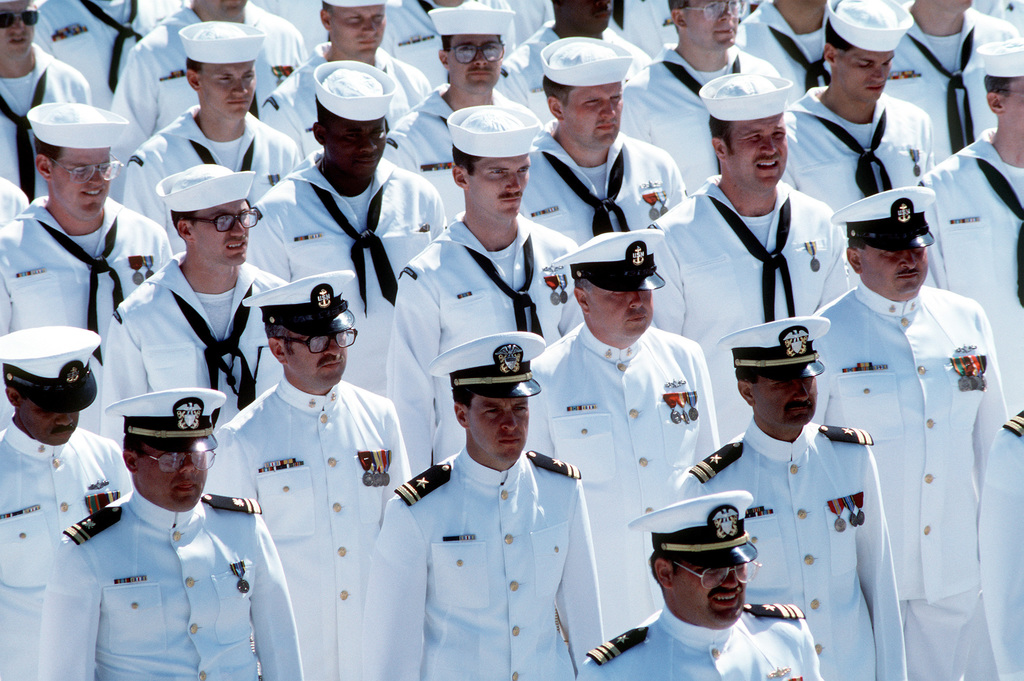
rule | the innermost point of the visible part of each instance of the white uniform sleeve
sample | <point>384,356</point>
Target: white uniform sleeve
<point>577,600</point>
<point>837,281</point>
<point>399,471</point>
<point>282,118</point>
<point>71,615</point>
<point>140,192</point>
<point>266,243</point>
<point>231,474</point>
<point>124,375</point>
<point>992,410</point>
<point>136,99</point>
<point>276,638</point>
<point>708,439</point>
<point>400,151</point>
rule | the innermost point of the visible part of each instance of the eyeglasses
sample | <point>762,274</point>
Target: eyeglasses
<point>466,54</point>
<point>712,577</point>
<point>29,17</point>
<point>82,174</point>
<point>223,223</point>
<point>317,344</point>
<point>714,10</point>
<point>171,462</point>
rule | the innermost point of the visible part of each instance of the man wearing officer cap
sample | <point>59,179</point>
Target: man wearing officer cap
<point>220,67</point>
<point>54,473</point>
<point>748,248</point>
<point>187,325</point>
<point>850,139</point>
<point>488,272</point>
<point>816,517</point>
<point>346,207</point>
<point>629,405</point>
<point>169,582</point>
<point>302,446</point>
<point>703,560</point>
<point>917,366</point>
<point>477,550</point>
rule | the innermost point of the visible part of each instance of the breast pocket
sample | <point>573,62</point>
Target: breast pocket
<point>586,441</point>
<point>714,280</point>
<point>965,403</point>
<point>549,547</point>
<point>870,400</point>
<point>843,545</point>
<point>172,366</point>
<point>286,497</point>
<point>37,300</point>
<point>233,622</point>
<point>26,551</point>
<point>460,574</point>
<point>132,618</point>
<point>767,538</point>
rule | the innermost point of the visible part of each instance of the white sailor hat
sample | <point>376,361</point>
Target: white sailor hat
<point>582,62</point>
<point>50,366</point>
<point>203,186</point>
<point>221,42</point>
<point>745,96</point>
<point>363,3</point>
<point>781,350</point>
<point>493,131</point>
<point>617,261</point>
<point>892,220</point>
<point>179,420</point>
<point>1004,59</point>
<point>492,366</point>
<point>873,25</point>
<point>471,18</point>
<point>311,306</point>
<point>353,90</point>
<point>76,126</point>
<point>706,531</point>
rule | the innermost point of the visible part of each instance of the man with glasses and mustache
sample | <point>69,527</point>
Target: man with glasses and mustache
<point>703,561</point>
<point>322,457</point>
<point>186,325</point>
<point>54,472</point>
<point>169,582</point>
<point>816,515</point>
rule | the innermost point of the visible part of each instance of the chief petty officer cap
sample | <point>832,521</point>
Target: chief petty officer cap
<point>873,25</point>
<point>891,220</point>
<point>311,306</point>
<point>353,90</point>
<point>705,531</point>
<point>745,96</point>
<point>203,186</point>
<point>582,62</point>
<point>221,42</point>
<point>471,18</point>
<point>617,261</point>
<point>1004,59</point>
<point>492,366</point>
<point>76,126</point>
<point>50,366</point>
<point>179,420</point>
<point>781,350</point>
<point>493,131</point>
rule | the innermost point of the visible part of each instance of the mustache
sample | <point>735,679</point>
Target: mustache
<point>328,359</point>
<point>57,430</point>
<point>799,404</point>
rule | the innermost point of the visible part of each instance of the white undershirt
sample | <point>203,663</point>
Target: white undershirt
<point>228,153</point>
<point>218,311</point>
<point>705,77</point>
<point>861,132</point>
<point>812,42</point>
<point>946,49</point>
<point>760,227</point>
<point>17,92</point>
<point>598,176</point>
<point>360,205</point>
<point>1015,176</point>
<point>91,243</point>
<point>505,262</point>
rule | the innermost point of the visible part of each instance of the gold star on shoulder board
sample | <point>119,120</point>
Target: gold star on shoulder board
<point>422,483</point>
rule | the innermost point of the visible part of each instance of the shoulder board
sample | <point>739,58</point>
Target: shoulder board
<point>618,645</point>
<point>716,463</point>
<point>85,530</point>
<point>424,483</point>
<point>392,142</point>
<point>852,435</point>
<point>1016,425</point>
<point>136,159</point>
<point>410,271</point>
<point>549,464</point>
<point>779,610</point>
<point>272,102</point>
<point>232,503</point>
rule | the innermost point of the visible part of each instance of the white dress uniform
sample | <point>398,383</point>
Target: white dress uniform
<point>298,238</point>
<point>156,348</point>
<point>12,201</point>
<point>44,490</point>
<point>603,410</point>
<point>657,104</point>
<point>647,24</point>
<point>174,149</point>
<point>766,34</point>
<point>68,30</point>
<point>821,165</point>
<point>465,581</point>
<point>300,455</point>
<point>522,72</point>
<point>446,299</point>
<point>843,581</point>
<point>154,595</point>
<point>914,78</point>
<point>291,108</point>
<point>304,15</point>
<point>153,90</point>
<point>714,284</point>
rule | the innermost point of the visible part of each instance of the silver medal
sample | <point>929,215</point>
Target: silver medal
<point>815,264</point>
<point>964,383</point>
<point>563,297</point>
<point>860,518</point>
<point>149,273</point>
<point>137,278</point>
<point>368,479</point>
<point>676,416</point>
<point>243,586</point>
<point>694,413</point>
<point>654,213</point>
<point>917,170</point>
<point>385,479</point>
<point>840,525</point>
<point>555,298</point>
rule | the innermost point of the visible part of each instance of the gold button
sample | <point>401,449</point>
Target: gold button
<point>716,653</point>
<point>189,582</point>
<point>504,494</point>
<point>904,322</point>
<point>323,418</point>
<point>336,507</point>
<point>64,506</point>
<point>135,606</point>
<point>176,536</point>
<point>508,538</point>
<point>459,562</point>
<point>753,540</point>
<point>194,628</point>
<point>56,463</point>
<point>643,462</point>
<point>332,462</point>
<point>202,676</point>
<point>633,413</point>
<point>286,488</point>
<point>929,478</point>
<point>342,551</point>
<point>793,469</point>
<point>343,595</point>
<point>583,432</point>
<point>815,604</point>
<point>801,514</point>
<point>514,586</point>
<point>42,448</point>
<point>621,366</point>
<point>927,529</point>
<point>22,535</point>
<point>515,676</point>
<point>809,559</point>
<point>515,631</point>
<point>818,648</point>
<point>921,370</point>
<point>867,391</point>
<point>930,423</point>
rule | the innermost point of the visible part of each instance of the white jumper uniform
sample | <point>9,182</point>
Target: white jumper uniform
<point>766,34</point>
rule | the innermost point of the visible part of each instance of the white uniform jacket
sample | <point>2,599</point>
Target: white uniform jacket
<point>713,283</point>
<point>891,372</point>
<point>465,582</point>
<point>843,581</point>
<point>821,165</point>
<point>299,238</point>
<point>291,108</point>
<point>303,15</point>
<point>44,489</point>
<point>156,349</point>
<point>756,37</point>
<point>12,201</point>
<point>300,455</point>
<point>648,25</point>
<point>604,410</point>
<point>157,596</point>
<point>658,108</point>
<point>651,185</point>
<point>153,90</point>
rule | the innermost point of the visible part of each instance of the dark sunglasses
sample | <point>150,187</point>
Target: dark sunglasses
<point>29,17</point>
